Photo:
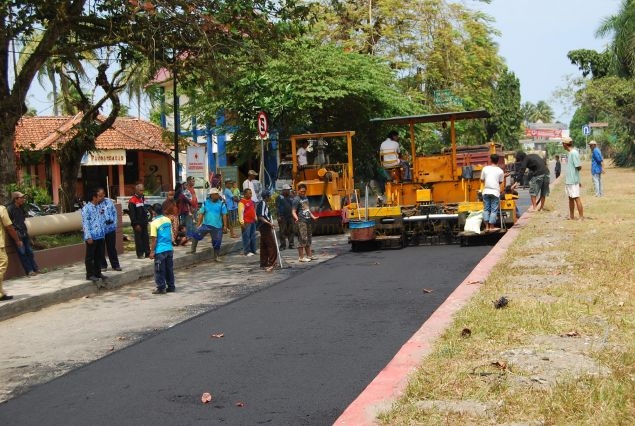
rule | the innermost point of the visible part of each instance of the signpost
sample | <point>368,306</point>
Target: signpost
<point>586,129</point>
<point>263,127</point>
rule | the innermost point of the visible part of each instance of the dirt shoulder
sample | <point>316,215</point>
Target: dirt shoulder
<point>563,349</point>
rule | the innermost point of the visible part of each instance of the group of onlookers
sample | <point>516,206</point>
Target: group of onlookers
<point>99,224</point>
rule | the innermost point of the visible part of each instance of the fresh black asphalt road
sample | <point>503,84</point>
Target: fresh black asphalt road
<point>295,353</point>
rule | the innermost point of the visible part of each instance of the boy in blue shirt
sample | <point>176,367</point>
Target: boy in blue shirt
<point>161,251</point>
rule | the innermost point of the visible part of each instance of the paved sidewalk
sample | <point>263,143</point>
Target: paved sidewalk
<point>67,283</point>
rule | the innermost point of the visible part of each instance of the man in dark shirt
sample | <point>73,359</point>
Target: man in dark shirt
<point>284,203</point>
<point>539,183</point>
<point>16,213</point>
<point>139,220</point>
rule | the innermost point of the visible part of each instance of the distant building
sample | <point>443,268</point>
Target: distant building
<point>538,134</point>
<point>131,151</point>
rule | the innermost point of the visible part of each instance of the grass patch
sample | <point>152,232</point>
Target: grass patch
<point>560,277</point>
<point>42,242</point>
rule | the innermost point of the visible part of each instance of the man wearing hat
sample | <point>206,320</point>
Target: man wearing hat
<point>6,227</point>
<point>212,219</point>
<point>232,207</point>
<point>16,213</point>
<point>596,168</point>
<point>253,184</point>
<point>284,203</point>
<point>572,179</point>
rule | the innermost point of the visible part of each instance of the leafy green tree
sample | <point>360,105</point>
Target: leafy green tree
<point>507,112</point>
<point>581,117</point>
<point>193,34</point>
<point>614,97</point>
<point>311,88</point>
<point>591,62</point>
<point>438,48</point>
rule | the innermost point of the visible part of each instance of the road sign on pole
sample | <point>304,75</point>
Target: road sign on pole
<point>263,124</point>
<point>586,130</point>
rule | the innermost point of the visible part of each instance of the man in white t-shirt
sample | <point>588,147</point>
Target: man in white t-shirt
<point>492,176</point>
<point>302,155</point>
<point>389,151</point>
<point>253,184</point>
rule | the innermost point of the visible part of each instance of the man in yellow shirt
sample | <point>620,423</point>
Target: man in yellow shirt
<point>7,226</point>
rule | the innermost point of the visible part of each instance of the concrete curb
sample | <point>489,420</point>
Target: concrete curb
<point>81,288</point>
<point>391,382</point>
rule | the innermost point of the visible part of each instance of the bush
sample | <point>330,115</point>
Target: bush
<point>34,194</point>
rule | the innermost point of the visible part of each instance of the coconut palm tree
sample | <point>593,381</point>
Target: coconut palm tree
<point>542,112</point>
<point>527,110</point>
<point>52,69</point>
<point>622,48</point>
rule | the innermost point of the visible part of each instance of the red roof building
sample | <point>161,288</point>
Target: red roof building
<point>131,151</point>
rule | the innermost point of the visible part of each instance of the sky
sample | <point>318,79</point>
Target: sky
<point>536,36</point>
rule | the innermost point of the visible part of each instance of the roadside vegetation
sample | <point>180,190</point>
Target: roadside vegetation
<point>562,352</point>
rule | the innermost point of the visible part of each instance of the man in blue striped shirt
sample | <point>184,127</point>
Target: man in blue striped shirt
<point>94,234</point>
<point>110,223</point>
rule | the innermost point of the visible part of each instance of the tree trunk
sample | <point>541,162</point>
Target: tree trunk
<point>68,193</point>
<point>7,155</point>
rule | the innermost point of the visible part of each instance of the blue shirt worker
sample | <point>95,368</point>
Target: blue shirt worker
<point>110,222</point>
<point>232,206</point>
<point>94,234</point>
<point>161,251</point>
<point>596,168</point>
<point>212,219</point>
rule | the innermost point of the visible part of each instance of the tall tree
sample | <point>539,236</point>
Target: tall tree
<point>527,109</point>
<point>311,88</point>
<point>543,112</point>
<point>192,33</point>
<point>443,51</point>
<point>507,115</point>
<point>622,48</point>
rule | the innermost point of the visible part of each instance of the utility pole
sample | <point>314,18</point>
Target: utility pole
<point>177,124</point>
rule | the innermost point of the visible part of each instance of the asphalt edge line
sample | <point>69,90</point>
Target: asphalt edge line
<point>390,384</point>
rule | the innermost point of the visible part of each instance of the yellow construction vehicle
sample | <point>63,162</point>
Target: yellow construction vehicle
<point>329,184</point>
<point>432,206</point>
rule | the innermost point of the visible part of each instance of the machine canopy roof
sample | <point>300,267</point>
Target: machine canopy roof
<point>434,118</point>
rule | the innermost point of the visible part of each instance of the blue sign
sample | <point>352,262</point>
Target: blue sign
<point>586,130</point>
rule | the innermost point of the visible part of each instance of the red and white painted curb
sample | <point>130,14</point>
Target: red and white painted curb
<point>391,382</point>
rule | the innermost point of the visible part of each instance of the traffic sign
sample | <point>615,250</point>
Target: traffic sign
<point>263,125</point>
<point>586,130</point>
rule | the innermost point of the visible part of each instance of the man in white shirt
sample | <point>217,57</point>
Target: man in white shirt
<point>302,155</point>
<point>389,151</point>
<point>253,184</point>
<point>492,176</point>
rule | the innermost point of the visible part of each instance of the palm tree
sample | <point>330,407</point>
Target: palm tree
<point>542,112</point>
<point>138,78</point>
<point>527,110</point>
<point>622,48</point>
<point>52,69</point>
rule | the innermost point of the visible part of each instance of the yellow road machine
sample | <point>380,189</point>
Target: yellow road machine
<point>432,206</point>
<point>329,184</point>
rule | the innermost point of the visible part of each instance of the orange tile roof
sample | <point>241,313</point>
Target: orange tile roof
<point>39,133</point>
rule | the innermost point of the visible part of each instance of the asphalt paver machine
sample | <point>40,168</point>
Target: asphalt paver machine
<point>432,206</point>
